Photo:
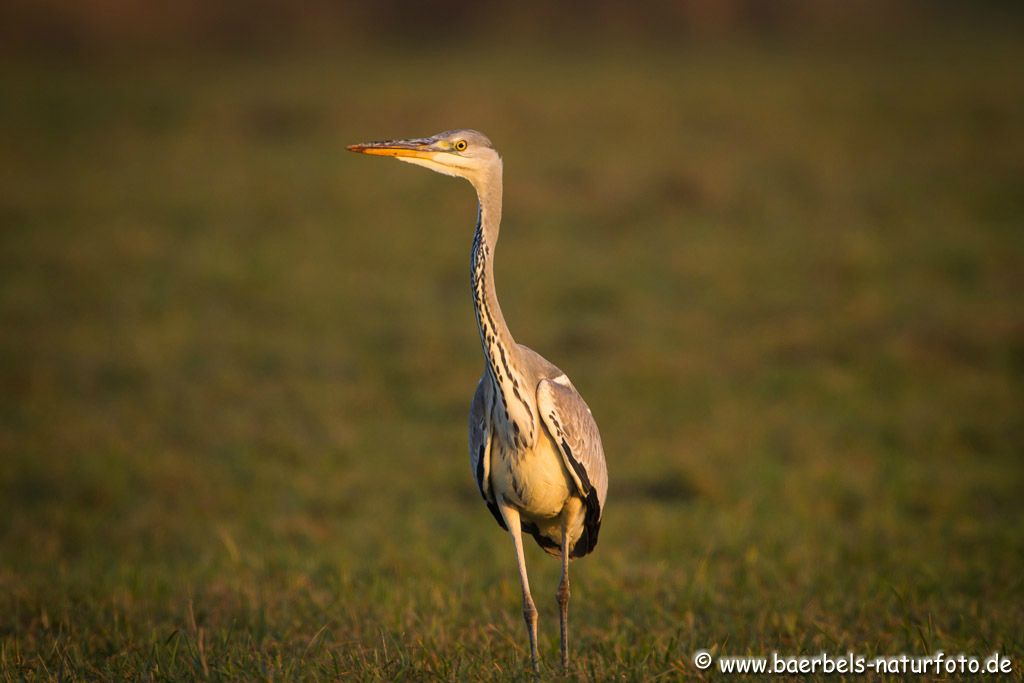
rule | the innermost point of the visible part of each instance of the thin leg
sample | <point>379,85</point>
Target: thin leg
<point>511,516</point>
<point>563,596</point>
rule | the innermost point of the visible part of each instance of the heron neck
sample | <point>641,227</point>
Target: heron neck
<point>501,353</point>
<point>495,336</point>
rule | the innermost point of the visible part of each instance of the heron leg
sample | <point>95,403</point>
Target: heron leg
<point>562,596</point>
<point>511,516</point>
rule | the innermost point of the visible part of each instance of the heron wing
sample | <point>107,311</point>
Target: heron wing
<point>480,445</point>
<point>570,423</point>
<point>572,427</point>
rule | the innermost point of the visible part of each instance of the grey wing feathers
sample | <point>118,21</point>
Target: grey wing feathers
<point>479,435</point>
<point>571,425</point>
<point>480,447</point>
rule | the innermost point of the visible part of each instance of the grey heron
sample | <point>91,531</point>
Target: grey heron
<point>534,447</point>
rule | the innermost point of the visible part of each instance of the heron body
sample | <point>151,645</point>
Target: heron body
<point>534,448</point>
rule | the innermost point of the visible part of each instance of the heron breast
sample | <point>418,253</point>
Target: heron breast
<point>534,480</point>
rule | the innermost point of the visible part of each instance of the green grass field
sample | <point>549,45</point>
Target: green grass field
<point>235,360</point>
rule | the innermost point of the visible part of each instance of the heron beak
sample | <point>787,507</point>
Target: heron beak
<point>421,148</point>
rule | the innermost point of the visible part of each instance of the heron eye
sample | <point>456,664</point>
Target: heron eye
<point>461,146</point>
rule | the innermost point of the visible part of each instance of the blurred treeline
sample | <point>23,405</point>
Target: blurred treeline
<point>76,27</point>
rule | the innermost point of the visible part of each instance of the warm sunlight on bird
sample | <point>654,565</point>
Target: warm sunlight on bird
<point>534,447</point>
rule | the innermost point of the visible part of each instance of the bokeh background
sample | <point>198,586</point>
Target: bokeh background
<point>779,247</point>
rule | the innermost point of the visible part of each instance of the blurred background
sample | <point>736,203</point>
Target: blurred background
<point>777,246</point>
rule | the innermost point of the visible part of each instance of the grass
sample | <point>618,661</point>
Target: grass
<point>235,361</point>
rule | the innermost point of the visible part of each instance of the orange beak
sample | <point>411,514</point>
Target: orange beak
<point>418,147</point>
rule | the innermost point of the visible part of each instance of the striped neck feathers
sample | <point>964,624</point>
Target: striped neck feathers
<point>515,412</point>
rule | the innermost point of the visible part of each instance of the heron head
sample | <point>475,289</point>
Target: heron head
<point>464,153</point>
